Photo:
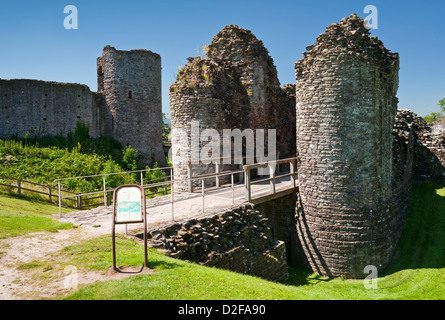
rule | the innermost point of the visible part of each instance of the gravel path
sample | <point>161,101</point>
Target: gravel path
<point>16,251</point>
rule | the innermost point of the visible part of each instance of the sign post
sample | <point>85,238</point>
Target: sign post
<point>129,207</point>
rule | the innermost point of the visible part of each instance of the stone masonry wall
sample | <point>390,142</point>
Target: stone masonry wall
<point>131,83</point>
<point>280,214</point>
<point>286,123</point>
<point>50,108</point>
<point>237,240</point>
<point>346,103</point>
<point>237,82</point>
<point>429,146</point>
<point>270,106</point>
<point>127,105</point>
<point>209,93</point>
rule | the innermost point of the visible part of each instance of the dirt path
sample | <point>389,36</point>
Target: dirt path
<point>31,284</point>
<point>24,284</point>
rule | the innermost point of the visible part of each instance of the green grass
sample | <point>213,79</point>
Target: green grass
<point>19,216</point>
<point>173,279</point>
<point>418,273</point>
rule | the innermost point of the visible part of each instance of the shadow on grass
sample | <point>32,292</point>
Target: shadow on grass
<point>160,265</point>
<point>300,277</point>
<point>422,243</point>
<point>26,196</point>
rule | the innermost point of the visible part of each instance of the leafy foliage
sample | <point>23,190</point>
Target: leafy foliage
<point>166,128</point>
<point>434,116</point>
<point>42,159</point>
<point>442,104</point>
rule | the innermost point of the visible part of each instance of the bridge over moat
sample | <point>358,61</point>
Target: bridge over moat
<point>217,226</point>
<point>204,201</point>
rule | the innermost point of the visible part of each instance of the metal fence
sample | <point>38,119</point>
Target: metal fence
<point>272,166</point>
<point>106,192</point>
<point>80,200</point>
<point>161,185</point>
<point>45,191</point>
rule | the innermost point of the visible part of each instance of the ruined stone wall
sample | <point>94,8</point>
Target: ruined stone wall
<point>127,105</point>
<point>209,93</point>
<point>257,71</point>
<point>50,108</point>
<point>346,103</point>
<point>234,87</point>
<point>131,84</point>
<point>285,116</point>
<point>271,106</point>
<point>429,146</point>
<point>404,148</point>
<point>280,214</point>
<point>237,240</point>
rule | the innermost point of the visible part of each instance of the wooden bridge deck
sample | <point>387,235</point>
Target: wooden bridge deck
<point>187,206</point>
<point>179,207</point>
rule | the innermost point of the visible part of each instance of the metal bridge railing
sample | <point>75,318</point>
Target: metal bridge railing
<point>104,189</point>
<point>272,165</point>
<point>247,185</point>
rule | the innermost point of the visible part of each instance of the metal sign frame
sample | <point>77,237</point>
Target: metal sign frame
<point>142,220</point>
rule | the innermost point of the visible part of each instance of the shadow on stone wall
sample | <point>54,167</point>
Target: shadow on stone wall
<point>420,244</point>
<point>427,166</point>
<point>238,240</point>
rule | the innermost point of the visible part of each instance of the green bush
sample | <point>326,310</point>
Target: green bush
<point>42,159</point>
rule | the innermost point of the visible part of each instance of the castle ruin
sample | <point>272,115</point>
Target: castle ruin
<point>346,85</point>
<point>357,153</point>
<point>126,107</point>
<point>235,87</point>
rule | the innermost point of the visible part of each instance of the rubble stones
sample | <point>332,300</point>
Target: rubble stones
<point>238,240</point>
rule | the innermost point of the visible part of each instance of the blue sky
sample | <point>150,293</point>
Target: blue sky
<point>35,45</point>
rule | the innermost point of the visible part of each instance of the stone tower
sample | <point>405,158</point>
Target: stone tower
<point>270,106</point>
<point>235,87</point>
<point>346,85</point>
<point>207,95</point>
<point>131,84</point>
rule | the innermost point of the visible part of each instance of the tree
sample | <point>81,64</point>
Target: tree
<point>166,128</point>
<point>442,104</point>
<point>434,116</point>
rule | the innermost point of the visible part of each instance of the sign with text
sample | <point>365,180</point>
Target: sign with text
<point>129,207</point>
<point>129,204</point>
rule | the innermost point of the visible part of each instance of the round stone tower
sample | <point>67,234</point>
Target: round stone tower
<point>270,105</point>
<point>257,71</point>
<point>235,87</point>
<point>206,98</point>
<point>131,84</point>
<point>346,87</point>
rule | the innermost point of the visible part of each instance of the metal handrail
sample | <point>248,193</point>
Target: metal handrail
<point>272,177</point>
<point>114,173</point>
<point>247,182</point>
<point>104,190</point>
<point>266,163</point>
<point>198,161</point>
<point>217,164</point>
<point>215,174</point>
